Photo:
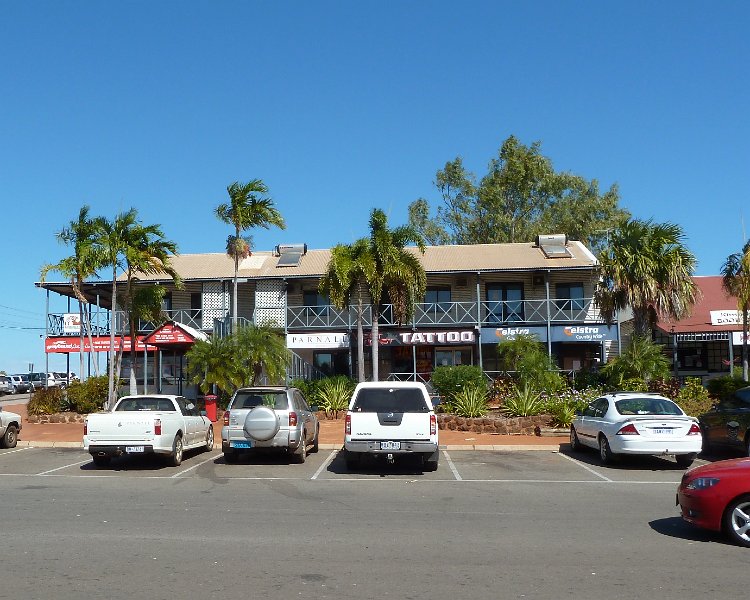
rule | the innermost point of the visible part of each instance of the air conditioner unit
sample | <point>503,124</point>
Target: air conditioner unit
<point>537,279</point>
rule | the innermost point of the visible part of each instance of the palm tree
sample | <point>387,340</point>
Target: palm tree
<point>346,274</point>
<point>247,207</point>
<point>647,267</point>
<point>212,363</point>
<point>84,263</point>
<point>395,271</point>
<point>261,351</point>
<point>736,281</point>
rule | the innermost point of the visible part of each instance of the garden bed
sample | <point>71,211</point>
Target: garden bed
<point>64,417</point>
<point>496,424</point>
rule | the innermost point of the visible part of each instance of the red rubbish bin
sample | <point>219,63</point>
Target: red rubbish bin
<point>210,400</point>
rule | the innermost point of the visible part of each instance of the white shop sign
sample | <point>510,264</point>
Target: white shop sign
<point>726,317</point>
<point>71,323</point>
<point>737,338</point>
<point>317,340</point>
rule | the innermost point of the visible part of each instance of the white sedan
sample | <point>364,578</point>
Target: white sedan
<point>636,423</point>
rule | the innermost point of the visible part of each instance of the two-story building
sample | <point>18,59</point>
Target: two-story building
<point>477,296</point>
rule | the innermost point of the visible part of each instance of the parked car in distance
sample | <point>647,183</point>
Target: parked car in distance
<point>269,418</point>
<point>10,427</point>
<point>41,380</point>
<point>716,496</point>
<point>727,424</point>
<point>6,385</point>
<point>147,424</point>
<point>21,383</point>
<point>636,423</point>
<point>390,419</point>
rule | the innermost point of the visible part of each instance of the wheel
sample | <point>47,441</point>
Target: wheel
<point>737,521</point>
<point>300,454</point>
<point>430,461</point>
<point>175,459</point>
<point>10,439</point>
<point>575,444</point>
<point>315,444</point>
<point>684,460</point>
<point>352,460</point>
<point>210,438</point>
<point>605,452</point>
<point>101,461</point>
<point>747,446</point>
<point>230,456</point>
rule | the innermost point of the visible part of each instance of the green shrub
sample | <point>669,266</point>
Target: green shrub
<point>523,402</point>
<point>448,381</point>
<point>88,396</point>
<point>528,360</point>
<point>634,384</point>
<point>564,404</point>
<point>669,388</point>
<point>308,387</point>
<point>642,359</point>
<point>501,388</point>
<point>723,387</point>
<point>46,401</point>
<point>694,399</point>
<point>333,394</point>
<point>587,378</point>
<point>470,402</point>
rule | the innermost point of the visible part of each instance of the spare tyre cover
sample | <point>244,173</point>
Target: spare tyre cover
<point>261,423</point>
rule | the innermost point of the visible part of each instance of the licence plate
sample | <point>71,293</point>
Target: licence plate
<point>240,445</point>
<point>134,449</point>
<point>390,445</point>
<point>663,431</point>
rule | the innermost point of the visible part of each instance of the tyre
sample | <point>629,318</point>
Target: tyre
<point>352,460</point>
<point>210,439</point>
<point>315,444</point>
<point>685,460</point>
<point>737,521</point>
<point>430,461</point>
<point>605,452</point>
<point>175,459</point>
<point>300,454</point>
<point>575,444</point>
<point>10,439</point>
<point>230,456</point>
<point>101,461</point>
<point>261,423</point>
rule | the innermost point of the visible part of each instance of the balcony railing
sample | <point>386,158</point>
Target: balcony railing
<point>100,323</point>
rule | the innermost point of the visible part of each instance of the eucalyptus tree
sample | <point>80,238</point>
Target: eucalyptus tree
<point>348,269</point>
<point>395,271</point>
<point>248,207</point>
<point>647,267</point>
<point>84,263</point>
<point>735,273</point>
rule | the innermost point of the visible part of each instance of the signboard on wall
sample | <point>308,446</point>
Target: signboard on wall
<point>424,338</point>
<point>494,335</point>
<point>54,345</point>
<point>559,333</point>
<point>726,317</point>
<point>71,323</point>
<point>737,338</point>
<point>317,340</point>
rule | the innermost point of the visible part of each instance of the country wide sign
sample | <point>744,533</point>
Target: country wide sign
<point>54,345</point>
<point>558,333</point>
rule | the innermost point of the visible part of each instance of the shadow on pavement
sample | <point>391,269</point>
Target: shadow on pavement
<point>677,528</point>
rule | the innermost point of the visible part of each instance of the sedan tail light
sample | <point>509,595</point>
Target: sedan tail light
<point>157,426</point>
<point>348,425</point>
<point>226,418</point>
<point>292,418</point>
<point>433,424</point>
<point>629,429</point>
<point>694,429</point>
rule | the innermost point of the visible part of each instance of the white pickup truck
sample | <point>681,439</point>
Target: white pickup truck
<point>388,419</point>
<point>148,424</point>
<point>10,425</point>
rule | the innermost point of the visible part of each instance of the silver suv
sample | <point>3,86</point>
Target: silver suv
<point>6,385</point>
<point>269,418</point>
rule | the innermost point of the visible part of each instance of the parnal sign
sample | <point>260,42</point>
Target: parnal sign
<point>317,340</point>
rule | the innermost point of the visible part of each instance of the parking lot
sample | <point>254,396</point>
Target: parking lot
<point>486,524</point>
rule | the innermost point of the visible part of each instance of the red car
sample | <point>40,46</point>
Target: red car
<point>717,496</point>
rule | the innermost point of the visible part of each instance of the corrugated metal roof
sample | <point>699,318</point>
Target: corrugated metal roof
<point>436,259</point>
<point>713,297</point>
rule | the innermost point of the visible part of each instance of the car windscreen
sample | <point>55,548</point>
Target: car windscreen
<point>145,403</point>
<point>251,399</point>
<point>647,406</point>
<point>396,400</point>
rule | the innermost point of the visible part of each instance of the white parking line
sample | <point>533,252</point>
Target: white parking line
<point>325,464</point>
<point>16,450</point>
<point>580,464</point>
<point>65,467</point>
<point>209,459</point>
<point>452,466</point>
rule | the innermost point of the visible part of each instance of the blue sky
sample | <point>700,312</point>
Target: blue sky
<point>341,107</point>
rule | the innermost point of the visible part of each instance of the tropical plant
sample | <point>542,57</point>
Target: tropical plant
<point>525,358</point>
<point>211,364</point>
<point>634,384</point>
<point>46,401</point>
<point>669,388</point>
<point>470,402</point>
<point>647,267</point>
<point>641,359</point>
<point>333,394</point>
<point>261,354</point>
<point>735,275</point>
<point>86,260</point>
<point>450,381</point>
<point>723,387</point>
<point>88,396</point>
<point>693,398</point>
<point>248,207</point>
<point>525,401</point>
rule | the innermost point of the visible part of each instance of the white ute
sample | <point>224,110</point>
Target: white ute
<point>10,425</point>
<point>148,424</point>
<point>388,419</point>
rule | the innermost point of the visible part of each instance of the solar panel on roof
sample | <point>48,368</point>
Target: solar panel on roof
<point>289,259</point>
<point>554,251</point>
